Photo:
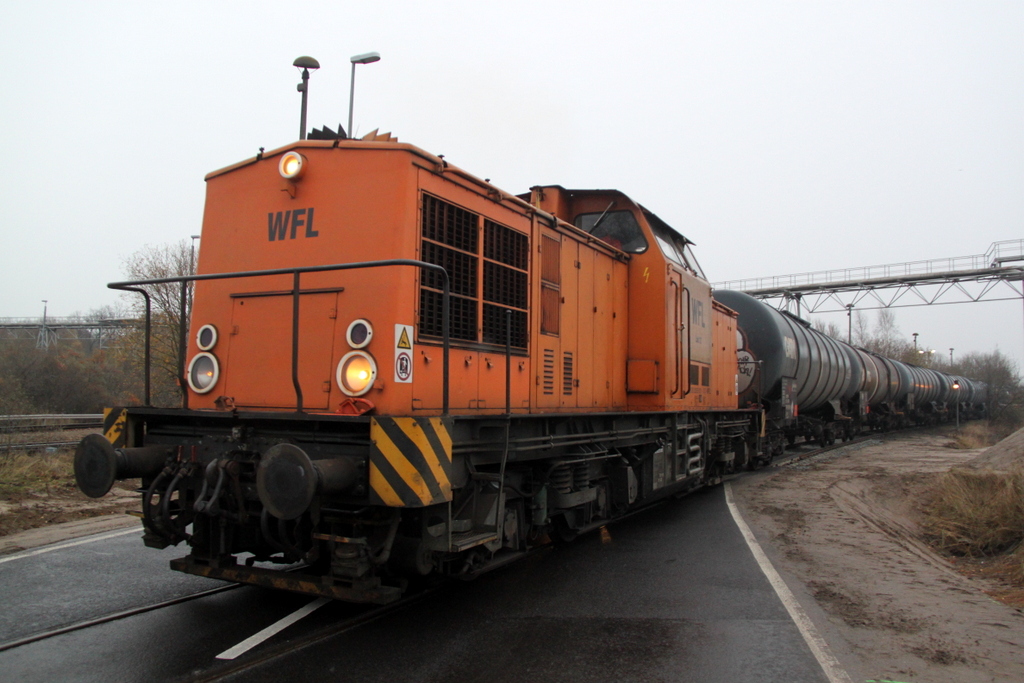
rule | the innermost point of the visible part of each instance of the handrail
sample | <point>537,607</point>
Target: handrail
<point>133,286</point>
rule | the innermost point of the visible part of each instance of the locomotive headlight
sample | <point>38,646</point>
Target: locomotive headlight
<point>292,166</point>
<point>356,373</point>
<point>203,372</point>
<point>206,337</point>
<point>359,334</point>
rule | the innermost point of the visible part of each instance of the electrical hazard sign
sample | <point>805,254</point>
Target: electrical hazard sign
<point>403,353</point>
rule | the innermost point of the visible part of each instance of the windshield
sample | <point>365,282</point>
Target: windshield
<point>617,228</point>
<point>675,247</point>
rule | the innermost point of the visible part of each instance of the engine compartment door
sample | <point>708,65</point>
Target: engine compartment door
<point>259,363</point>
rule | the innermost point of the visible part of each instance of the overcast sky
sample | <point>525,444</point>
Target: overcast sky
<point>781,137</point>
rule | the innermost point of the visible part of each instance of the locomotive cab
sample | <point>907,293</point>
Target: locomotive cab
<point>681,344</point>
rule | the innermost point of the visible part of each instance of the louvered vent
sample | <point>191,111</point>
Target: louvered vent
<point>567,373</point>
<point>549,371</point>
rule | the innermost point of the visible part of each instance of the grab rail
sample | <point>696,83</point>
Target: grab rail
<point>133,286</point>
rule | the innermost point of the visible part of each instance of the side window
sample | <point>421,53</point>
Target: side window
<point>617,228</point>
<point>674,246</point>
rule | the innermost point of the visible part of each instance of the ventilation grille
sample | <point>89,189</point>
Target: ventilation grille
<point>505,246</point>
<point>451,238</point>
<point>461,269</point>
<point>549,372</point>
<point>504,286</point>
<point>495,326</point>
<point>448,224</point>
<point>463,316</point>
<point>567,373</point>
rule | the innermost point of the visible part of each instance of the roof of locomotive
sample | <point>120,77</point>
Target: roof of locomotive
<point>366,145</point>
<point>391,144</point>
<point>647,212</point>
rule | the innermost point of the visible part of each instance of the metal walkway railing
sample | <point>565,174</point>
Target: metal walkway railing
<point>993,262</point>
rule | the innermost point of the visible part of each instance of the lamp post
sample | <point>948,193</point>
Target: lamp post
<point>915,340</point>
<point>304,63</point>
<point>956,388</point>
<point>849,324</point>
<point>368,58</point>
<point>951,356</point>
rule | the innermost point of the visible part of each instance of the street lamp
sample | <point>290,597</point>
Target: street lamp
<point>849,324</point>
<point>368,58</point>
<point>956,388</point>
<point>915,340</point>
<point>951,356</point>
<point>304,63</point>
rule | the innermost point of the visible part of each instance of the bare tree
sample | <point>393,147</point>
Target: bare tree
<point>861,329</point>
<point>830,328</point>
<point>153,262</point>
<point>1003,380</point>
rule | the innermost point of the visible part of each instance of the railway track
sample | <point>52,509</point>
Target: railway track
<point>37,446</point>
<point>267,653</point>
<point>788,461</point>
<point>113,617</point>
<point>54,421</point>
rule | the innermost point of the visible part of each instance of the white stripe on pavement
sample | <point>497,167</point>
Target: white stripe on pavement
<point>272,630</point>
<point>69,544</point>
<point>831,666</point>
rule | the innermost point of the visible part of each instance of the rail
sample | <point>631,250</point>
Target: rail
<point>998,255</point>
<point>296,273</point>
<point>33,423</point>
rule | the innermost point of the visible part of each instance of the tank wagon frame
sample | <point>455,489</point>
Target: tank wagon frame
<point>819,388</point>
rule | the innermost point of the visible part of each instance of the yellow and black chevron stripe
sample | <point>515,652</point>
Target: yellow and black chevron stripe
<point>115,423</point>
<point>410,461</point>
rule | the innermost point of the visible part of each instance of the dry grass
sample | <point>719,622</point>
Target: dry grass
<point>977,513</point>
<point>980,434</point>
<point>24,473</point>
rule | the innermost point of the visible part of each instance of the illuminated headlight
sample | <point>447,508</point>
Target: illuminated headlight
<point>292,166</point>
<point>356,373</point>
<point>359,334</point>
<point>203,372</point>
<point>206,337</point>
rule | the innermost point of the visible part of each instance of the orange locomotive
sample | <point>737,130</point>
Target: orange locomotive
<point>329,419</point>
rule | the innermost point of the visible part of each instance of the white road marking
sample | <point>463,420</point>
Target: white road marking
<point>272,630</point>
<point>829,664</point>
<point>69,544</point>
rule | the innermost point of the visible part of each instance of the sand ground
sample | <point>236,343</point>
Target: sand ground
<point>843,530</point>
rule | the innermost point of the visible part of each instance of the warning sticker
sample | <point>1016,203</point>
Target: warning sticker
<point>403,353</point>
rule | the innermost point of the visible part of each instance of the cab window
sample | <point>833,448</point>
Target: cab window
<point>674,246</point>
<point>617,228</point>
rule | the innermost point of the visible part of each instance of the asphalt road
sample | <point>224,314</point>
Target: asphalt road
<point>671,594</point>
